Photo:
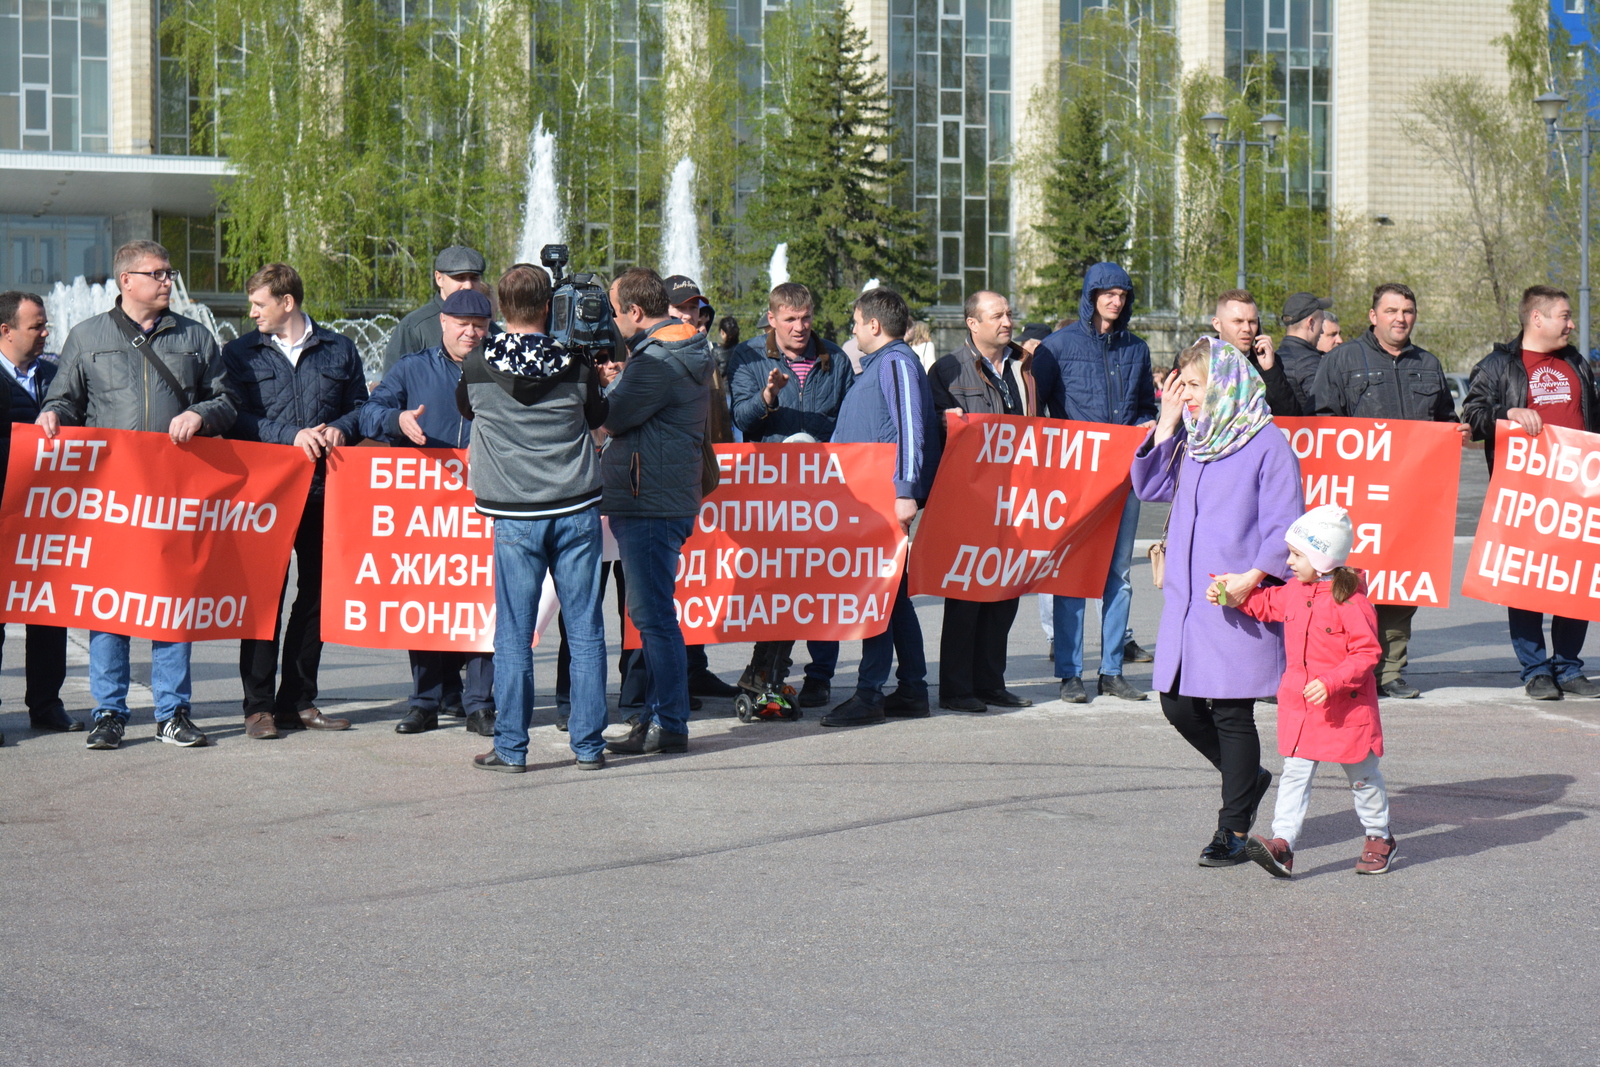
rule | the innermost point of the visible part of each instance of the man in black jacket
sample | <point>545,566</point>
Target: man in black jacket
<point>28,378</point>
<point>1382,375</point>
<point>1298,352</point>
<point>298,384</point>
<point>1534,380</point>
<point>983,376</point>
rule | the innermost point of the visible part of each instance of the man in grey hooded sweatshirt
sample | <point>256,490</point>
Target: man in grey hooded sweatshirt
<point>651,466</point>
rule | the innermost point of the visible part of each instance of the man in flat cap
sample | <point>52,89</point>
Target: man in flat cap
<point>455,268</point>
<point>1302,324</point>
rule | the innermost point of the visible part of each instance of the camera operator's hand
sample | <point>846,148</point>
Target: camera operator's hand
<point>607,372</point>
<point>775,383</point>
<point>411,428</point>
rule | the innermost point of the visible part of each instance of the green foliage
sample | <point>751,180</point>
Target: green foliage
<point>361,144</point>
<point>1288,245</point>
<point>828,174</point>
<point>1124,57</point>
<point>1085,218</point>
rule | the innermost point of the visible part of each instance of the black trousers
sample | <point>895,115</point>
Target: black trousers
<point>972,646</point>
<point>1224,732</point>
<point>45,666</point>
<point>436,680</point>
<point>302,638</point>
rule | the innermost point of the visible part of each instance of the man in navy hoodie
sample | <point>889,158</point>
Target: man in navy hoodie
<point>891,402</point>
<point>1097,370</point>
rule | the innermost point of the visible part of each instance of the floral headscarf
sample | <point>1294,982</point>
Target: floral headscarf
<point>1234,409</point>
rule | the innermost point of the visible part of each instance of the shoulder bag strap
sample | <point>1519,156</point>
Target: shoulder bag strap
<point>141,344</point>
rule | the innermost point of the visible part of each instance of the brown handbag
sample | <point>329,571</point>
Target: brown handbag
<point>1158,551</point>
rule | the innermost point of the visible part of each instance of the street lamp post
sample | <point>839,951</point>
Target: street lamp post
<point>1550,105</point>
<point>1215,123</point>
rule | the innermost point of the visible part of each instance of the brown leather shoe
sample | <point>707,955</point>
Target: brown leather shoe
<point>315,720</point>
<point>260,726</point>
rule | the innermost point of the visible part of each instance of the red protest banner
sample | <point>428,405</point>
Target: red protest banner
<point>1540,517</point>
<point>128,533</point>
<point>407,561</point>
<point>798,542</point>
<point>1016,500</point>
<point>1398,480</point>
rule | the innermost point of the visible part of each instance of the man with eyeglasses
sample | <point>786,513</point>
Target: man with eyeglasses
<point>455,268</point>
<point>115,371</point>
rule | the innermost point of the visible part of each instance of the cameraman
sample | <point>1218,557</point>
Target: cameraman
<point>535,472</point>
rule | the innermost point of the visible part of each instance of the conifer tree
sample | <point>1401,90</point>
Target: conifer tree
<point>828,178</point>
<point>1085,216</point>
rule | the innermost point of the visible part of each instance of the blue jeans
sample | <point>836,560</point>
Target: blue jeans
<point>1114,606</point>
<point>108,675</point>
<point>1566,643</point>
<point>824,660</point>
<point>568,548</point>
<point>650,549</point>
<point>900,640</point>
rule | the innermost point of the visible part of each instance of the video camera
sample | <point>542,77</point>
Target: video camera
<point>580,310</point>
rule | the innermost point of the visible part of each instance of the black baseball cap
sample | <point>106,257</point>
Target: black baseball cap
<point>459,259</point>
<point>1033,331</point>
<point>681,290</point>
<point>467,304</point>
<point>1301,306</point>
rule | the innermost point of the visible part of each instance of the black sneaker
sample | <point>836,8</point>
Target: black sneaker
<point>1132,653</point>
<point>854,712</point>
<point>1579,686</point>
<point>702,683</point>
<point>1115,685</point>
<point>179,731</point>
<point>1399,689</point>
<point>107,733</point>
<point>815,693</point>
<point>905,704</point>
<point>1072,691</point>
<point>1226,850</point>
<point>597,762</point>
<point>1543,687</point>
<point>646,739</point>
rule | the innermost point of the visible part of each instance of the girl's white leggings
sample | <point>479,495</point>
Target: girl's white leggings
<point>1294,796</point>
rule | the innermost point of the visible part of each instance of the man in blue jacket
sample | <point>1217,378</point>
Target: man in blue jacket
<point>891,402</point>
<point>783,382</point>
<point>1097,370</point>
<point>298,384</point>
<point>415,404</point>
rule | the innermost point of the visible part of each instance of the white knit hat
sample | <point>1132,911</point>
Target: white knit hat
<point>1325,535</point>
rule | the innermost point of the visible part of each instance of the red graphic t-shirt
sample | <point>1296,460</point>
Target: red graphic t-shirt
<point>1553,389</point>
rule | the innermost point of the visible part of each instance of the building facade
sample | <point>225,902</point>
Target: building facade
<point>98,142</point>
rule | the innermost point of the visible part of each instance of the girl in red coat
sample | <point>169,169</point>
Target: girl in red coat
<point>1328,699</point>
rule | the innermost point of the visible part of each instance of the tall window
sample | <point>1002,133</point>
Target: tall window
<point>54,89</point>
<point>1289,41</point>
<point>950,80</point>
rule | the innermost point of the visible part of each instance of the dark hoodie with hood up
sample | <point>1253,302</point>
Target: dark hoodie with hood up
<point>657,424</point>
<point>1097,377</point>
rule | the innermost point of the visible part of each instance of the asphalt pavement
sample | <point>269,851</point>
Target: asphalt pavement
<point>1007,888</point>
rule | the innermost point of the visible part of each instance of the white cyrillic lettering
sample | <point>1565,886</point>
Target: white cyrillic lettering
<point>967,554</point>
<point>77,608</point>
<point>988,554</point>
<point>74,549</point>
<point>410,605</point>
<point>833,516</point>
<point>355,615</point>
<point>100,594</point>
<point>405,569</point>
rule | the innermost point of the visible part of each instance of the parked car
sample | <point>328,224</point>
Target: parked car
<point>1458,387</point>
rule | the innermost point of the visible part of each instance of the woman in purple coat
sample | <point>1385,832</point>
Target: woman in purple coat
<point>1235,488</point>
